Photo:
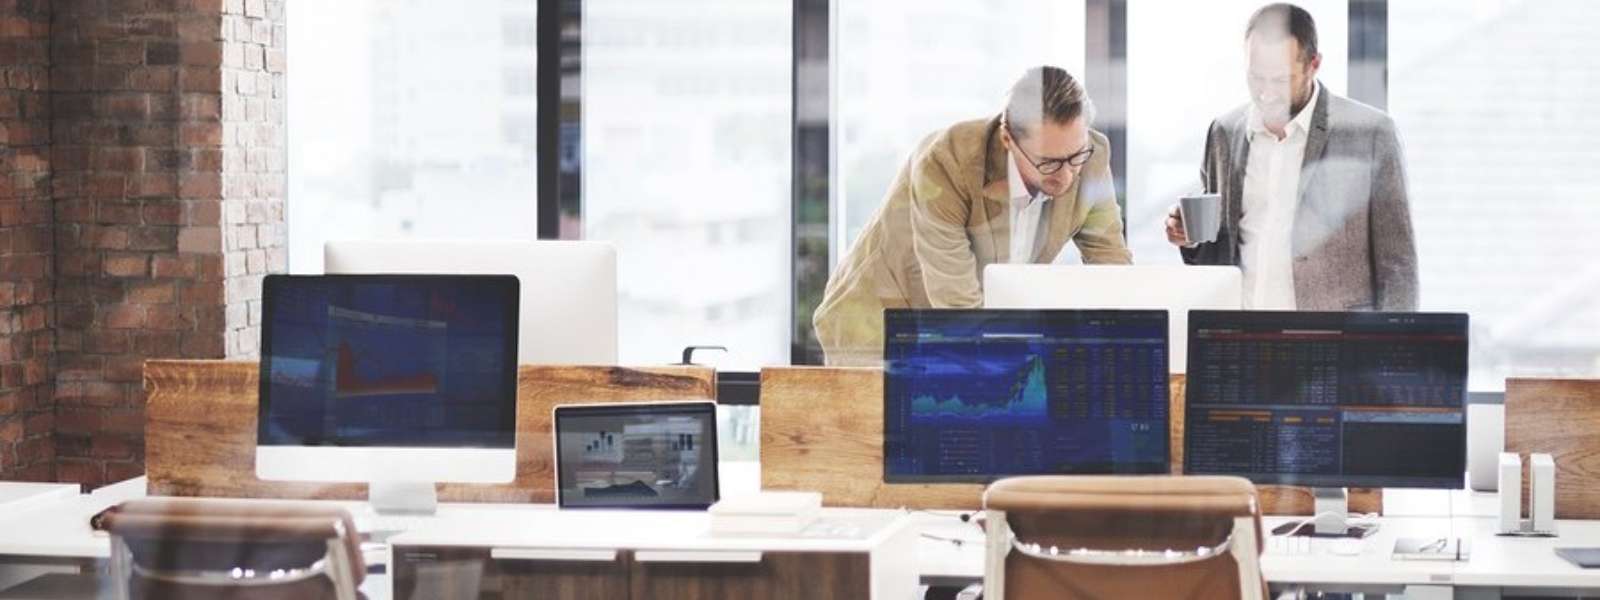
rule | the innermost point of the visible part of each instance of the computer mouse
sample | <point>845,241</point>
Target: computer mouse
<point>1345,547</point>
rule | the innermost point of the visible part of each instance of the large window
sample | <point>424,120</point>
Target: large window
<point>409,119</point>
<point>1186,66</point>
<point>685,114</point>
<point>675,141</point>
<point>1495,102</point>
<point>908,68</point>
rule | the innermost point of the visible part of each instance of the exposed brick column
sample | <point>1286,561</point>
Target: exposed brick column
<point>27,338</point>
<point>168,189</point>
<point>253,230</point>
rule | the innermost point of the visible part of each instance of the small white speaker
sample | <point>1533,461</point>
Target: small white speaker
<point>1510,493</point>
<point>1542,488</point>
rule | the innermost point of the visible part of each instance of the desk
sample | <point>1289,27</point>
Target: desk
<point>1497,564</point>
<point>665,548</point>
<point>856,553</point>
<point>58,535</point>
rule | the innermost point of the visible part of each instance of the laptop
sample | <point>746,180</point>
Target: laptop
<point>651,455</point>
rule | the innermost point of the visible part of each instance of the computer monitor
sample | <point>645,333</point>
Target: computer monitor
<point>397,380</point>
<point>976,395</point>
<point>1328,400</point>
<point>1177,289</point>
<point>569,289</point>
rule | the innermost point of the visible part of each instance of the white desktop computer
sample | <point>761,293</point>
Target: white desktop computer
<point>1176,289</point>
<point>569,288</point>
<point>399,381</point>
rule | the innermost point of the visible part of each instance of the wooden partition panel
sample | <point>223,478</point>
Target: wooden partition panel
<point>200,427</point>
<point>1560,417</point>
<point>822,430</point>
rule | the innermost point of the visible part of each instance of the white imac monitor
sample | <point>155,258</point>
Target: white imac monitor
<point>396,380</point>
<point>569,288</point>
<point>1176,288</point>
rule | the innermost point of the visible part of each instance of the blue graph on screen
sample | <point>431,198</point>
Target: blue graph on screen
<point>993,388</point>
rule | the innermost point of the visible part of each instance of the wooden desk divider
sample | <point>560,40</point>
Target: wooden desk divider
<point>1560,417</point>
<point>200,427</point>
<point>822,430</point>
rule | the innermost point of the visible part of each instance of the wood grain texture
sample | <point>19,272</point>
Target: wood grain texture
<point>822,430</point>
<point>1560,417</point>
<point>778,576</point>
<point>200,427</point>
<point>430,572</point>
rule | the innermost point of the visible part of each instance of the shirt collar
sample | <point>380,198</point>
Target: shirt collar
<point>1300,122</point>
<point>1018,191</point>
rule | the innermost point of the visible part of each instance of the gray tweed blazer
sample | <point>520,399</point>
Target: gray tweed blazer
<point>1353,244</point>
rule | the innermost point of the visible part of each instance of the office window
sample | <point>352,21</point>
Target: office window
<point>908,68</point>
<point>685,167</point>
<point>409,119</point>
<point>1496,108</point>
<point>1186,66</point>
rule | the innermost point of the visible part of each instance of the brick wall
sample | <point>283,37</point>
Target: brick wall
<point>26,333</point>
<point>253,229</point>
<point>168,194</point>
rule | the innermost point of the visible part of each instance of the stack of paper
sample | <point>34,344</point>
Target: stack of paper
<point>766,513</point>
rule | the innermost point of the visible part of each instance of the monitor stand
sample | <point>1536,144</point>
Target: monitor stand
<point>1331,518</point>
<point>415,498</point>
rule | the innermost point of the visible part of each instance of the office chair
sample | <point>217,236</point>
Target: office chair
<point>1082,538</point>
<point>215,549</point>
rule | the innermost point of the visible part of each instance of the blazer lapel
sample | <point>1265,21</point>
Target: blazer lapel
<point>1316,143</point>
<point>1316,147</point>
<point>996,196</point>
<point>1239,158</point>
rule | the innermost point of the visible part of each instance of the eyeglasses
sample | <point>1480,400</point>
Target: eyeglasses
<point>1050,166</point>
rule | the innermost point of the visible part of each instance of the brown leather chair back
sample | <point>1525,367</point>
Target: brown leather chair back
<point>213,549</point>
<point>1083,538</point>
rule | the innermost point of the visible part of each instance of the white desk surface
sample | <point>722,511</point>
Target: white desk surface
<point>18,495</point>
<point>836,530</point>
<point>60,529</point>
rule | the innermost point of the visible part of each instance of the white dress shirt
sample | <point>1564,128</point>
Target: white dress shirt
<point>1026,212</point>
<point>1271,196</point>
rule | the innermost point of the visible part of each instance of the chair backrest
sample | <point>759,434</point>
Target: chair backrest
<point>1080,538</point>
<point>192,548</point>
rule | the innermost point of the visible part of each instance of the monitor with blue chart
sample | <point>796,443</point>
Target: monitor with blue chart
<point>976,395</point>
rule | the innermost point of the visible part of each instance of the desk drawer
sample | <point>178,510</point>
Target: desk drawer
<point>426,573</point>
<point>742,575</point>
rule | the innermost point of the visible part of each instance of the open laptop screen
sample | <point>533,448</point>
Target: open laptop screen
<point>640,455</point>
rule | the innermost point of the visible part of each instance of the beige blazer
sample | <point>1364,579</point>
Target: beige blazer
<point>945,218</point>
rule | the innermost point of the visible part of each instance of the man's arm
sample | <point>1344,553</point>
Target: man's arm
<point>1208,182</point>
<point>1394,249</point>
<point>1100,239</point>
<point>939,239</point>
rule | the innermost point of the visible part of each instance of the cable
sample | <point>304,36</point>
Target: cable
<point>963,516</point>
<point>958,542</point>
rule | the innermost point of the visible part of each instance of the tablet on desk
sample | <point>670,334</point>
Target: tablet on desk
<point>660,455</point>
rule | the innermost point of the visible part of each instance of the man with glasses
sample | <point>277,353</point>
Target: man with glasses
<point>1313,188</point>
<point>1012,188</point>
